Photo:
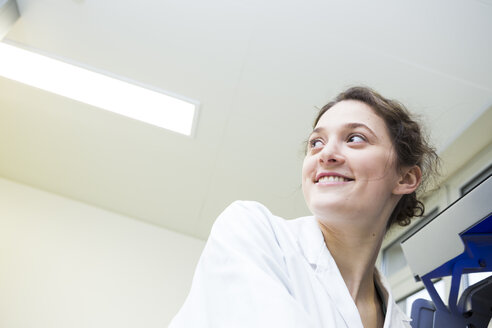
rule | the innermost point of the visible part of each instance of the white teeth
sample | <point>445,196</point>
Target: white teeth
<point>332,178</point>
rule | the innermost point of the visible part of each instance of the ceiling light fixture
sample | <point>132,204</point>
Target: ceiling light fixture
<point>99,90</point>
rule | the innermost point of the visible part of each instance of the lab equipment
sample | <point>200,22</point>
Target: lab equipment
<point>456,242</point>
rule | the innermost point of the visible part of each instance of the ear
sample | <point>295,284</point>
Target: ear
<point>409,181</point>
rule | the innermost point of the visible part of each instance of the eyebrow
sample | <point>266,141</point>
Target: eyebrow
<point>353,125</point>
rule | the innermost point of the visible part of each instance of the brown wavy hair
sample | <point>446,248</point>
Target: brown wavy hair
<point>409,141</point>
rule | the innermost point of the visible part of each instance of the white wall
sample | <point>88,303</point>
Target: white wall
<point>67,264</point>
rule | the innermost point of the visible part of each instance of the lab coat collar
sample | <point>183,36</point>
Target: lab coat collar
<point>312,244</point>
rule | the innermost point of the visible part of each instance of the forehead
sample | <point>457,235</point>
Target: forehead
<point>352,111</point>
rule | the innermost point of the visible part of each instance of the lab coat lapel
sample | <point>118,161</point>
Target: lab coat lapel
<point>395,317</point>
<point>313,246</point>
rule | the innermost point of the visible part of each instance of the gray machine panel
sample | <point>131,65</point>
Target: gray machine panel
<point>439,241</point>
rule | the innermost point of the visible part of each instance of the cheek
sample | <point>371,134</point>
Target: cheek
<point>378,164</point>
<point>379,173</point>
<point>308,165</point>
<point>373,170</point>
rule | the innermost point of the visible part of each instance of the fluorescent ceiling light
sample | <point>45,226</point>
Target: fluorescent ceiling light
<point>96,89</point>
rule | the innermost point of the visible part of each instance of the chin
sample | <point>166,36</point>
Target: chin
<point>323,209</point>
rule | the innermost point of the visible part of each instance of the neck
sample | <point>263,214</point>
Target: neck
<point>355,252</point>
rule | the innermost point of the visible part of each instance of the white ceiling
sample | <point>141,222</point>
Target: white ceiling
<point>258,68</point>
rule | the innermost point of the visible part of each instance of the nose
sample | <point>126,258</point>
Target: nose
<point>331,154</point>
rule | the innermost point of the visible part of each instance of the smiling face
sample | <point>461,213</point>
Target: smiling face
<point>350,168</point>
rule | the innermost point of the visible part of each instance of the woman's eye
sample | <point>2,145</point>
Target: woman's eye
<point>356,138</point>
<point>316,143</point>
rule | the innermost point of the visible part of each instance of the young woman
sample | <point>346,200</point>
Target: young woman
<point>364,161</point>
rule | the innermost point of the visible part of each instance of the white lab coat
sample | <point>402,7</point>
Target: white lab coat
<point>259,270</point>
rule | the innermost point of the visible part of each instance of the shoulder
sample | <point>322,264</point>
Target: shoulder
<point>242,268</point>
<point>244,239</point>
<point>244,210</point>
<point>246,219</point>
<point>250,228</point>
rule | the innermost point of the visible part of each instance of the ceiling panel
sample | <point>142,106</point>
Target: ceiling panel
<point>258,69</point>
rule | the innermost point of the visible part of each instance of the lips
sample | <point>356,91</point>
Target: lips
<point>331,177</point>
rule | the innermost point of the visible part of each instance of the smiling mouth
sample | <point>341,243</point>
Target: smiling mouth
<point>332,178</point>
